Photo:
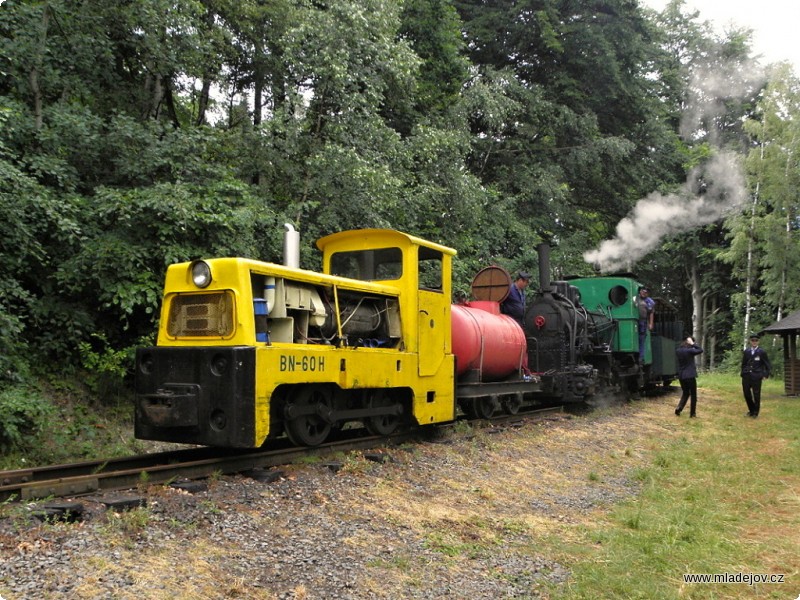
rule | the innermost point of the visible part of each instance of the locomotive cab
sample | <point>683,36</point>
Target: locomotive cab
<point>613,303</point>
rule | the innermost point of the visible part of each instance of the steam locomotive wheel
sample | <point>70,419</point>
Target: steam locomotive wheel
<point>381,424</point>
<point>309,427</point>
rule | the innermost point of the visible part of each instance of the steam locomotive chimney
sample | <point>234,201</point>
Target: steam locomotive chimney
<point>543,250</point>
<point>291,247</point>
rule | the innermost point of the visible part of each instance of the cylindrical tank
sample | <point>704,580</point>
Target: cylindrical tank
<point>485,342</point>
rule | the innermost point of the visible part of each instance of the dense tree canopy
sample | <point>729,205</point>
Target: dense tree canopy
<point>137,134</point>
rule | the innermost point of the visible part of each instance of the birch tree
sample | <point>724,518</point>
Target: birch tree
<point>774,166</point>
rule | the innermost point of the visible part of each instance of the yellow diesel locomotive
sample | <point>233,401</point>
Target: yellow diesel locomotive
<point>248,350</point>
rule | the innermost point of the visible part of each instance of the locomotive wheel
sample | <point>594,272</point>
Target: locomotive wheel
<point>512,404</point>
<point>468,408</point>
<point>382,424</point>
<point>485,406</point>
<point>309,428</point>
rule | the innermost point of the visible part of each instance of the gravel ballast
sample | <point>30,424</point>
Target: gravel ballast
<point>461,517</point>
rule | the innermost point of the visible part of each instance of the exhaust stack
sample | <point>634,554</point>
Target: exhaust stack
<point>543,250</point>
<point>291,247</point>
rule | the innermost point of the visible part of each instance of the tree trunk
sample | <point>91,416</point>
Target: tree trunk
<point>169,100</point>
<point>704,338</point>
<point>156,98</point>
<point>712,353</point>
<point>202,102</point>
<point>258,85</point>
<point>698,322</point>
<point>750,273</point>
<point>153,96</point>
<point>258,98</point>
<point>788,238</point>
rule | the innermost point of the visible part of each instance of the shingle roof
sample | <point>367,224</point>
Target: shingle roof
<point>789,324</point>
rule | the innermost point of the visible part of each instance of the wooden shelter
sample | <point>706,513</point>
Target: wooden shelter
<point>789,328</point>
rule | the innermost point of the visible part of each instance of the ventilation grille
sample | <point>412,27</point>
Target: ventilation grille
<point>201,315</point>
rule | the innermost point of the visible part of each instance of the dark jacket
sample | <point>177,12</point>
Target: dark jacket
<point>514,304</point>
<point>686,367</point>
<point>755,363</point>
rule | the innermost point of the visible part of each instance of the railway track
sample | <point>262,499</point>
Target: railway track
<point>92,477</point>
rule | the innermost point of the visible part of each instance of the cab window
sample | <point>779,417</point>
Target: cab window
<point>368,265</point>
<point>430,269</point>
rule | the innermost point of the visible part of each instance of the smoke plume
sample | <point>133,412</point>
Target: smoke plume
<point>711,191</point>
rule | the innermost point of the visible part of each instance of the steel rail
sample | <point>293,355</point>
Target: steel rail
<point>80,479</point>
<point>163,467</point>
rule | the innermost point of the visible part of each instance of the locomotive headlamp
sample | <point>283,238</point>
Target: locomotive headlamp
<point>201,273</point>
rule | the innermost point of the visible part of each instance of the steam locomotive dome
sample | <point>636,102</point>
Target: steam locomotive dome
<point>488,345</point>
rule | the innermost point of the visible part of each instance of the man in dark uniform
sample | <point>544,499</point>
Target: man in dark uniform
<point>514,304</point>
<point>687,375</point>
<point>646,306</point>
<point>755,368</point>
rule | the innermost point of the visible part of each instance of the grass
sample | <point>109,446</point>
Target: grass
<point>127,523</point>
<point>720,496</point>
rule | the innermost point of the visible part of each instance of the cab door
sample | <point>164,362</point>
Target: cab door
<point>432,329</point>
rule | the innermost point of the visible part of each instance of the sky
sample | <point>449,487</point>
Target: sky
<point>774,24</point>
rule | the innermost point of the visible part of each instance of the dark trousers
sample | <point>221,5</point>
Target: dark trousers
<point>751,387</point>
<point>642,326</point>
<point>689,389</point>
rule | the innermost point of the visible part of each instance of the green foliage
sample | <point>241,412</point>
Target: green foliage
<point>567,147</point>
<point>12,361</point>
<point>433,28</point>
<point>774,166</point>
<point>22,415</point>
<point>30,217</point>
<point>140,134</point>
<point>106,368</point>
<point>65,422</point>
<point>763,241</point>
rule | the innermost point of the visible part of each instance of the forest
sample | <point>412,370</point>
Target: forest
<point>139,133</point>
